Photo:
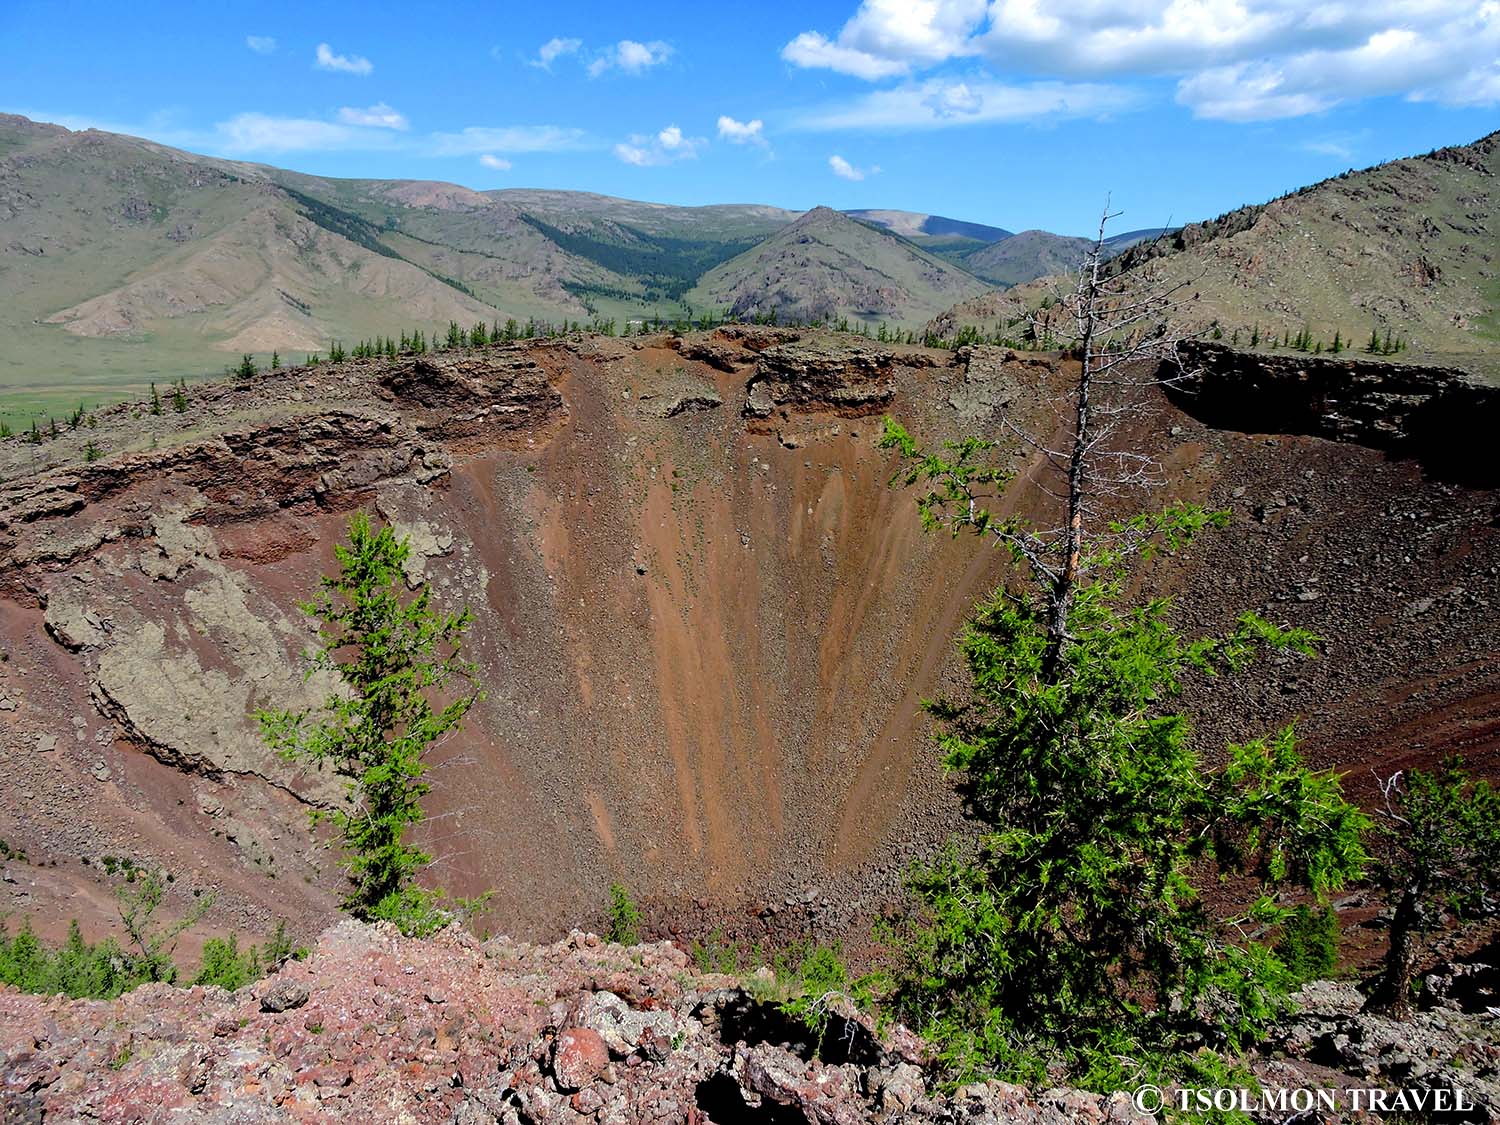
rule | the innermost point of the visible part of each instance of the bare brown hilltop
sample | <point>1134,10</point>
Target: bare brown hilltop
<point>703,621</point>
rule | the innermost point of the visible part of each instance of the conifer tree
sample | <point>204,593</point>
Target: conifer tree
<point>1443,853</point>
<point>1071,933</point>
<point>395,657</point>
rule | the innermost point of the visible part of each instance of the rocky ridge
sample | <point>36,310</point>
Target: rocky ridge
<point>454,1029</point>
<point>468,1032</point>
<point>1437,414</point>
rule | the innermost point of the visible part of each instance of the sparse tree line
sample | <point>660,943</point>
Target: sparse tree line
<point>1304,341</point>
<point>1035,334</point>
<point>456,338</point>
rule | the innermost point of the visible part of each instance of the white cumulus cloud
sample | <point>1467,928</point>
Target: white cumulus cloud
<point>1238,60</point>
<point>885,38</point>
<point>497,163</point>
<point>846,171</point>
<point>666,147</point>
<point>260,44</point>
<point>813,50</point>
<point>554,49</point>
<point>377,116</point>
<point>343,64</point>
<point>631,57</point>
<point>742,132</point>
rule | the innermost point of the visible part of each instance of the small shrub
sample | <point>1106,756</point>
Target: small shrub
<point>1309,943</point>
<point>716,954</point>
<point>227,967</point>
<point>99,972</point>
<point>624,916</point>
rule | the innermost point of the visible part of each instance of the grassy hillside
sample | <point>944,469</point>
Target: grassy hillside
<point>124,262</point>
<point>1032,254</point>
<point>828,264</point>
<point>1407,248</point>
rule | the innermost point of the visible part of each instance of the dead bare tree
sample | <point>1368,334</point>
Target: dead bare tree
<point>1122,330</point>
<point>1442,847</point>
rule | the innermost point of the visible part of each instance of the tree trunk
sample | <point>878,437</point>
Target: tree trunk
<point>1393,990</point>
<point>1060,605</point>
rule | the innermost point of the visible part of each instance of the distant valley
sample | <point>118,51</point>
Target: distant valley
<point>124,262</point>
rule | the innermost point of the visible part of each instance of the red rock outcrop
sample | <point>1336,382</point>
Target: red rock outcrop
<point>374,1026</point>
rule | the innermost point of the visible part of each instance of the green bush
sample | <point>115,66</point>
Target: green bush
<point>624,916</point>
<point>1309,943</point>
<point>225,966</point>
<point>104,970</point>
<point>98,972</point>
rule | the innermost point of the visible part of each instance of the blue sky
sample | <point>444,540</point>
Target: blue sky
<point>1019,113</point>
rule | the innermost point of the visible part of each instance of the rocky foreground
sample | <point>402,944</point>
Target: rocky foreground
<point>374,1026</point>
<point>377,1027</point>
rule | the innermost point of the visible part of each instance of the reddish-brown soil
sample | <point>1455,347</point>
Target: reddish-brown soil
<point>704,637</point>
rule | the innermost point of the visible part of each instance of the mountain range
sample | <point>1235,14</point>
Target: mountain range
<point>123,261</point>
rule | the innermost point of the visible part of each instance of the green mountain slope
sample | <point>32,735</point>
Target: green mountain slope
<point>1408,247</point>
<point>125,262</point>
<point>1032,254</point>
<point>827,264</point>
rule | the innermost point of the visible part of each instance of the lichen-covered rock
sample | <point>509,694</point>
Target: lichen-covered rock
<point>579,1057</point>
<point>841,378</point>
<point>283,996</point>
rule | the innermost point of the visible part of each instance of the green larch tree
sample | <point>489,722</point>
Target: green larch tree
<point>405,685</point>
